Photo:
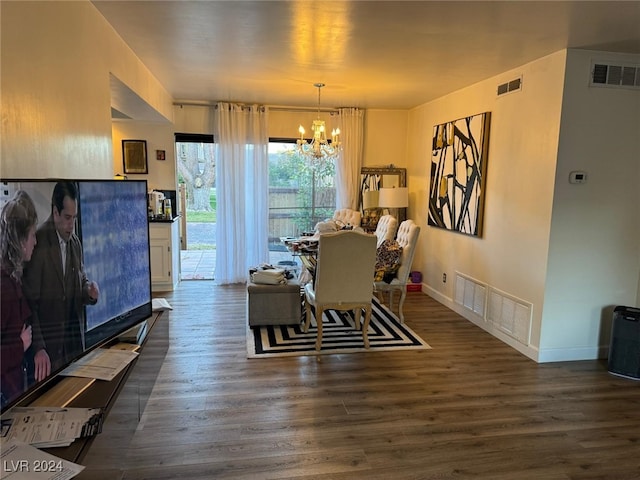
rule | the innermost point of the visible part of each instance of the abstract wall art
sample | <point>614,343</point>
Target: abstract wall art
<point>458,170</point>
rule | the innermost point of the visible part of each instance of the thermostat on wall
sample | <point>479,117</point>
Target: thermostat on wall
<point>578,177</point>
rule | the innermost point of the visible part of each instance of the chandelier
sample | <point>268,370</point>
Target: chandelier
<point>319,147</point>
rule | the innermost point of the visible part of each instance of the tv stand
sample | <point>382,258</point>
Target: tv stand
<point>92,393</point>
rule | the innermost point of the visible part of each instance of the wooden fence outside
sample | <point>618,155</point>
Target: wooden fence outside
<point>289,217</point>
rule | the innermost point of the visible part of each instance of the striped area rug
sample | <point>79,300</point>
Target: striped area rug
<point>338,336</point>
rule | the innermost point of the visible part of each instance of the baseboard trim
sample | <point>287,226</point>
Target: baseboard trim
<point>571,354</point>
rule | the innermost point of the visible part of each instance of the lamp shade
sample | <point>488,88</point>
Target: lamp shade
<point>370,199</point>
<point>394,197</point>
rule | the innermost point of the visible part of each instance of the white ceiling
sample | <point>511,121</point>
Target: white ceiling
<point>370,54</point>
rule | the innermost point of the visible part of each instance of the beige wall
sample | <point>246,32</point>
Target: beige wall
<point>594,252</point>
<point>56,117</point>
<point>193,119</point>
<point>571,251</point>
<point>511,255</point>
<point>162,173</point>
<point>284,124</point>
<point>385,133</point>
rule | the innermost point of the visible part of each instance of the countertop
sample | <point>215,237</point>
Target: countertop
<point>163,220</point>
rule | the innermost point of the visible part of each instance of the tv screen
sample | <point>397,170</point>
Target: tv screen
<point>103,289</point>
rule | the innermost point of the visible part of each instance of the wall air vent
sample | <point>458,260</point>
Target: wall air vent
<point>608,75</point>
<point>471,294</point>
<point>511,86</point>
<point>510,315</point>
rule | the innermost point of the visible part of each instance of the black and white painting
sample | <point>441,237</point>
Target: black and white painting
<point>458,170</point>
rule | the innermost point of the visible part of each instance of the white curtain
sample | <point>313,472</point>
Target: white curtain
<point>350,161</point>
<point>242,183</point>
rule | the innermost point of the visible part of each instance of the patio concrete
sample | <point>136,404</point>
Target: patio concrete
<point>200,264</point>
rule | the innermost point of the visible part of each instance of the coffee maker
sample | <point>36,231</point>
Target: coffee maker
<point>156,200</point>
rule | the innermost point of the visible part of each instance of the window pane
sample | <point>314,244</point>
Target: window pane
<point>301,194</point>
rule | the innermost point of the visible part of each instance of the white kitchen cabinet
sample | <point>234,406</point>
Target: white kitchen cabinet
<point>164,246</point>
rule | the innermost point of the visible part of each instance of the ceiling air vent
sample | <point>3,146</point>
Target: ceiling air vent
<point>607,75</point>
<point>512,86</point>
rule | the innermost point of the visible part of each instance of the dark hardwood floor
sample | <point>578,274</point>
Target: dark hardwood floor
<point>471,407</point>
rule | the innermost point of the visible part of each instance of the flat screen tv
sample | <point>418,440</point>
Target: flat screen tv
<point>113,231</point>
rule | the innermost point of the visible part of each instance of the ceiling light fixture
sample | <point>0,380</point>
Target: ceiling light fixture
<point>319,147</point>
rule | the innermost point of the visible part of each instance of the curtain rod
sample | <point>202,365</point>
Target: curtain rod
<point>285,108</point>
<point>277,108</point>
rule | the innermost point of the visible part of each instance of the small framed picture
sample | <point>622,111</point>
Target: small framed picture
<point>134,156</point>
<point>160,155</point>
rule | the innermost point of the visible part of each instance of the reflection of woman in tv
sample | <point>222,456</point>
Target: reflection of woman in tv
<point>18,223</point>
<point>57,287</point>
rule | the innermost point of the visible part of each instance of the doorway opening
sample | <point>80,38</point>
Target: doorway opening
<point>195,155</point>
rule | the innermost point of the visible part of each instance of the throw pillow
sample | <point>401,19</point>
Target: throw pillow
<point>388,258</point>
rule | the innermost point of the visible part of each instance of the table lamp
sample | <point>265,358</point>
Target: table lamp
<point>394,199</point>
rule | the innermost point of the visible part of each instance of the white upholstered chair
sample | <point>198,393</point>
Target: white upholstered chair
<point>343,279</point>
<point>407,238</point>
<point>386,228</point>
<point>347,216</point>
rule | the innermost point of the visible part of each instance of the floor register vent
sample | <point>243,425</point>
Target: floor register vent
<point>505,312</point>
<point>607,75</point>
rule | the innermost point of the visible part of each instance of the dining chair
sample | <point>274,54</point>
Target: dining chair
<point>407,238</point>
<point>386,228</point>
<point>343,279</point>
<point>346,216</point>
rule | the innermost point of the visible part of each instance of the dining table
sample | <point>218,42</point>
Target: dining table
<point>305,247</point>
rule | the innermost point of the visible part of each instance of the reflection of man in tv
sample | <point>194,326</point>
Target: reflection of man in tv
<point>57,287</point>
